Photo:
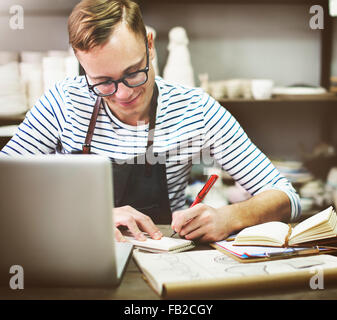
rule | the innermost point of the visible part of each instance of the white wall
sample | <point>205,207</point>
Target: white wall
<point>226,40</point>
<point>33,6</point>
<point>45,25</point>
<point>39,34</point>
<point>247,41</point>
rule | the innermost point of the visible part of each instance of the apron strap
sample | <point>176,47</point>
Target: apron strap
<point>152,124</point>
<point>87,143</point>
<point>153,113</point>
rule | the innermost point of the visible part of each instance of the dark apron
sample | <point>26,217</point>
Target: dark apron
<point>140,185</point>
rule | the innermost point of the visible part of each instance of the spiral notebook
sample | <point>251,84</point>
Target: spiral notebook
<point>165,244</point>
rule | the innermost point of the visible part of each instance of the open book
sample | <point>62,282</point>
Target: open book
<point>318,229</point>
<point>165,244</point>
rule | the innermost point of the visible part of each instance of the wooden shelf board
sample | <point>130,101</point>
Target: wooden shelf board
<point>11,120</point>
<point>284,98</point>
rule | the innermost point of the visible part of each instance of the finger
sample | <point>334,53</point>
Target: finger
<point>178,219</point>
<point>182,217</point>
<point>146,223</point>
<point>207,238</point>
<point>133,227</point>
<point>135,219</point>
<point>197,233</point>
<point>118,236</point>
<point>190,226</point>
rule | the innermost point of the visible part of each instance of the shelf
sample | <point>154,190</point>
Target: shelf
<point>329,97</point>
<point>287,116</point>
<point>10,120</point>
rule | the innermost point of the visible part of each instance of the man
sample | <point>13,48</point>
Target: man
<point>133,114</point>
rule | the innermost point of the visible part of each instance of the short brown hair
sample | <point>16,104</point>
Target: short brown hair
<point>92,22</point>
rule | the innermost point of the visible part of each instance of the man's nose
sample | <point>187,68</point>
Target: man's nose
<point>123,91</point>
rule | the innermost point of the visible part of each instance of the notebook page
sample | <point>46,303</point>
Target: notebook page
<point>317,219</point>
<point>270,230</point>
<point>165,243</point>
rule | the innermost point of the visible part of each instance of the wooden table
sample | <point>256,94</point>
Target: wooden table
<point>133,287</point>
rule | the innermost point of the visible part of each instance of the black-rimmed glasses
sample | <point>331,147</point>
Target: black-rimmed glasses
<point>131,80</point>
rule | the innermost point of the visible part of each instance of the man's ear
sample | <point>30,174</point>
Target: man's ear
<point>150,43</point>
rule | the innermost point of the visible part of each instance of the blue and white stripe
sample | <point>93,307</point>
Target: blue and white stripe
<point>188,122</point>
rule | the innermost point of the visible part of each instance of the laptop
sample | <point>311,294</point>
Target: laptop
<point>56,221</point>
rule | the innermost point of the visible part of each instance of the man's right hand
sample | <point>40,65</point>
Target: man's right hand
<point>136,222</point>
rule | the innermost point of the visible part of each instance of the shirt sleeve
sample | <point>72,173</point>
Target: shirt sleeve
<point>236,153</point>
<point>39,132</point>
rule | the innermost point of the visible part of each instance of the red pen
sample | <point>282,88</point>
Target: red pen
<point>202,193</point>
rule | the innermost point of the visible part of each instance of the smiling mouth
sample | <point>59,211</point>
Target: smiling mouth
<point>129,102</point>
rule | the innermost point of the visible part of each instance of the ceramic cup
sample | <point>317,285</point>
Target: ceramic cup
<point>262,88</point>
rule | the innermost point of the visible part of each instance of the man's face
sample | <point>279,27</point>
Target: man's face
<point>123,54</point>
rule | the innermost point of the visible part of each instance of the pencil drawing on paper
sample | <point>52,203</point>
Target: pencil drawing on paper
<point>300,264</point>
<point>184,266</point>
<point>178,267</point>
<point>248,270</point>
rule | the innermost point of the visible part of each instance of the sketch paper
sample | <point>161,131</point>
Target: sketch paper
<point>188,268</point>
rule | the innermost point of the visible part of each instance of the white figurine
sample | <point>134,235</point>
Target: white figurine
<point>178,67</point>
<point>155,59</point>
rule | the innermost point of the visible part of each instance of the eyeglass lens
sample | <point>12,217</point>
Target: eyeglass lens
<point>133,80</point>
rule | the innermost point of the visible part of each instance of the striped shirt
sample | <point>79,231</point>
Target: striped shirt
<point>189,124</point>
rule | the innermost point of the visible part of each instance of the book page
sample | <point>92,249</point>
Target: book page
<point>315,220</point>
<point>271,233</point>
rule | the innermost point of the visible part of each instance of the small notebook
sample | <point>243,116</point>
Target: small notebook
<point>165,244</point>
<point>321,228</point>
